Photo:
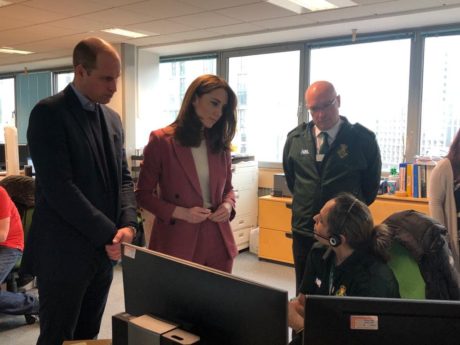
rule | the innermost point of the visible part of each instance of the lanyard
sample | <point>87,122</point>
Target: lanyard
<point>331,281</point>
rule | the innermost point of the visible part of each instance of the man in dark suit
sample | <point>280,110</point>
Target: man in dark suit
<point>85,204</point>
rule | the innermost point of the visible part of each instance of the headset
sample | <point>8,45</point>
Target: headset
<point>335,240</point>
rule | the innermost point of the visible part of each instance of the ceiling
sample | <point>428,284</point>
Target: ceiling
<point>50,28</point>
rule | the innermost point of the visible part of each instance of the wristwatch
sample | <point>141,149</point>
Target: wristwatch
<point>133,229</point>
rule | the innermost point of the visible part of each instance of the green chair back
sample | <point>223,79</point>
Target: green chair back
<point>407,272</point>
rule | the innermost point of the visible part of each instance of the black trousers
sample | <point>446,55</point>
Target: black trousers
<point>72,310</point>
<point>301,246</point>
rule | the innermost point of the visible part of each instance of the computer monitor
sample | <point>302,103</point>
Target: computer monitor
<point>332,320</point>
<point>2,157</point>
<point>219,307</point>
<point>24,155</point>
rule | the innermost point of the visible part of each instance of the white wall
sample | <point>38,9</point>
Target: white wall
<point>148,95</point>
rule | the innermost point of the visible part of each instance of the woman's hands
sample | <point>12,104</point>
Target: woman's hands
<point>197,214</point>
<point>192,215</point>
<point>222,214</point>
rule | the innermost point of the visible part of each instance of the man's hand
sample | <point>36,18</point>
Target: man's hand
<point>296,313</point>
<point>114,250</point>
<point>222,214</point>
<point>192,215</point>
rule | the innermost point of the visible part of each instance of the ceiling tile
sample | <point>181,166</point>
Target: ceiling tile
<point>33,15</point>
<point>117,17</point>
<point>161,9</point>
<point>258,11</point>
<point>80,24</point>
<point>237,29</point>
<point>115,3</point>
<point>205,20</point>
<point>175,38</point>
<point>72,8</point>
<point>286,22</point>
<point>7,23</point>
<point>56,44</point>
<point>160,27</point>
<point>32,34</point>
<point>215,5</point>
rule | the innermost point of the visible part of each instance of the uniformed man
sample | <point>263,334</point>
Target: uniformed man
<point>323,157</point>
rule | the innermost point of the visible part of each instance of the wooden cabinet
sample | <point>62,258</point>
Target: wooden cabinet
<point>385,205</point>
<point>275,242</point>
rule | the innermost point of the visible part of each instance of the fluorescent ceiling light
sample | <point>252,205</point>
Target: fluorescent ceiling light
<point>126,33</point>
<point>304,6</point>
<point>315,5</point>
<point>8,50</point>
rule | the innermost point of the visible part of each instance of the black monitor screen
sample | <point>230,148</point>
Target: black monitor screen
<point>334,320</point>
<point>24,156</point>
<point>220,308</point>
<point>2,157</point>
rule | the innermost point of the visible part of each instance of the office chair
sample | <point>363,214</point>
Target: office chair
<point>21,190</point>
<point>419,240</point>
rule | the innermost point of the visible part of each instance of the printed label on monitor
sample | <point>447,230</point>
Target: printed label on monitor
<point>364,322</point>
<point>130,252</point>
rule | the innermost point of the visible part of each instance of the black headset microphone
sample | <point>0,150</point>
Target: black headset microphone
<point>334,240</point>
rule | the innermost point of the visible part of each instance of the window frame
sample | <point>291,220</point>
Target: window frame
<point>262,50</point>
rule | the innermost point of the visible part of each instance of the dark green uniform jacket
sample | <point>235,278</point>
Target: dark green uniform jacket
<point>352,165</point>
<point>361,274</point>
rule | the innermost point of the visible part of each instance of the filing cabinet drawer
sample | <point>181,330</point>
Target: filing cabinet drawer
<point>273,213</point>
<point>275,245</point>
<point>242,238</point>
<point>247,220</point>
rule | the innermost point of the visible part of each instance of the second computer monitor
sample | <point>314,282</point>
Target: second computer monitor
<point>334,320</point>
<point>219,307</point>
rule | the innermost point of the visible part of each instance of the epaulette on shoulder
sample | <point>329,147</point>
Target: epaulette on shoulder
<point>297,130</point>
<point>361,130</point>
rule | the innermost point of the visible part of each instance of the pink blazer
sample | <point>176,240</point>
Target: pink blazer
<point>168,178</point>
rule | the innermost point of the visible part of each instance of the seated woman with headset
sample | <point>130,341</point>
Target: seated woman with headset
<point>348,260</point>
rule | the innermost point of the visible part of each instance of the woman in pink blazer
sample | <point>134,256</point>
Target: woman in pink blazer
<point>186,179</point>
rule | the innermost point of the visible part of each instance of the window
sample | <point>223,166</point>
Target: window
<point>267,86</point>
<point>373,86</point>
<point>174,85</point>
<point>440,102</point>
<point>7,104</point>
<point>61,80</point>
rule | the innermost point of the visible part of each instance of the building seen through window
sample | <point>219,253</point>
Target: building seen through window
<point>268,102</point>
<point>373,86</point>
<point>441,102</point>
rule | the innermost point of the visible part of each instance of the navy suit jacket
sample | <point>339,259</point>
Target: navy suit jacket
<point>68,226</point>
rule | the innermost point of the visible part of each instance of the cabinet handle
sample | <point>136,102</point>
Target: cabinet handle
<point>288,234</point>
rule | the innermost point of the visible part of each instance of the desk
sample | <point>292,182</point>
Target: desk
<point>385,205</point>
<point>275,241</point>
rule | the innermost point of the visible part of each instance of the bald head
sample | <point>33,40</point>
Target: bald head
<point>323,104</point>
<point>86,51</point>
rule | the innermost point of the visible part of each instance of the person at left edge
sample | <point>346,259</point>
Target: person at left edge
<point>85,204</point>
<point>186,178</point>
